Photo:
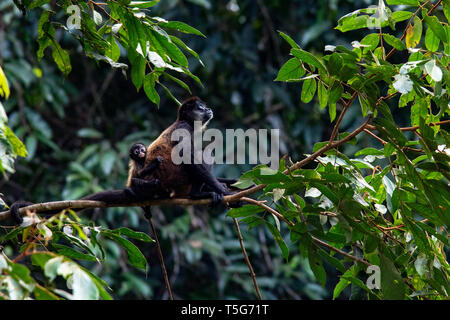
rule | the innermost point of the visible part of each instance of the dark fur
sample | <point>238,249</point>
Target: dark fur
<point>193,180</point>
<point>159,177</point>
<point>136,186</point>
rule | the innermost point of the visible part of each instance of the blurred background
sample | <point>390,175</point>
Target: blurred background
<point>78,129</point>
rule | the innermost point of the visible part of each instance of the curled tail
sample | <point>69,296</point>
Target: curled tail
<point>110,196</point>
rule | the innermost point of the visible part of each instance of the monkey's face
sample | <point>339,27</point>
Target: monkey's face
<point>196,110</point>
<point>200,112</point>
<point>138,152</point>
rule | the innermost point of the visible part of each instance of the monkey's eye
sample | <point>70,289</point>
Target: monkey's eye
<point>136,151</point>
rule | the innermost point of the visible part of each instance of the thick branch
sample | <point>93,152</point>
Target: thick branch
<point>84,204</point>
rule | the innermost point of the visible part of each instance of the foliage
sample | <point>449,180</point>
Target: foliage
<point>384,205</point>
<point>81,242</point>
<point>387,204</point>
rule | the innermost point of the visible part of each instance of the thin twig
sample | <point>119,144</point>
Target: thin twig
<point>161,258</point>
<point>318,241</point>
<point>247,260</point>
<point>341,116</point>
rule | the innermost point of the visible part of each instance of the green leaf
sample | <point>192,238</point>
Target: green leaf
<point>335,93</point>
<point>308,58</point>
<point>419,236</point>
<point>291,70</point>
<point>89,133</point>
<point>399,16</point>
<point>36,3</point>
<point>322,93</point>
<point>435,25</point>
<point>136,31</point>
<point>371,40</point>
<point>135,256</point>
<point>143,4</point>
<point>431,41</point>
<point>340,286</point>
<point>289,40</point>
<point>113,51</point>
<point>41,258</point>
<point>446,9</point>
<point>61,58</point>
<point>369,151</point>
<point>72,253</point>
<point>394,42</point>
<point>107,161</point>
<point>149,88</point>
<point>406,2</point>
<point>335,63</point>
<point>17,146</point>
<point>326,191</point>
<point>392,284</point>
<point>170,48</point>
<point>244,211</point>
<point>185,47</point>
<point>390,132</point>
<point>352,22</point>
<point>317,267</point>
<point>137,69</point>
<point>176,80</point>
<point>279,240</point>
<point>414,33</point>
<point>133,234</point>
<point>4,88</point>
<point>42,293</point>
<point>308,90</point>
<point>332,260</point>
<point>183,27</point>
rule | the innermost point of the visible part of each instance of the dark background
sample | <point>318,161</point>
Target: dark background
<point>78,130</point>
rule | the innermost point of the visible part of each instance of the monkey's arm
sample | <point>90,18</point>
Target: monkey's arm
<point>151,167</point>
<point>142,188</point>
<point>197,192</point>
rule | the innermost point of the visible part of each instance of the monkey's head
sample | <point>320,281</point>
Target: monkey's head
<point>194,109</point>
<point>138,152</point>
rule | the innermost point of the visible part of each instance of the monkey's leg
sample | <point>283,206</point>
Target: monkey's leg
<point>201,173</point>
<point>143,188</point>
<point>151,167</point>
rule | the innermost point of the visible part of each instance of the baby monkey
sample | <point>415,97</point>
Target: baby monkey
<point>136,186</point>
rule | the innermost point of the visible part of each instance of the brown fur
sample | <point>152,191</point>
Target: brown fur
<point>173,179</point>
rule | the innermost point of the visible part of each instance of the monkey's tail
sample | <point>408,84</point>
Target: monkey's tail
<point>111,196</point>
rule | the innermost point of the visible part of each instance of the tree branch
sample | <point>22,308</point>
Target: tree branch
<point>247,260</point>
<point>84,204</point>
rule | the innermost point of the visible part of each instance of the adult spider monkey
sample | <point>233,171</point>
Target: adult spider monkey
<point>186,179</point>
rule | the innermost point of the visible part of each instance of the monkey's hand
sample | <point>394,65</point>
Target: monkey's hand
<point>151,167</point>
